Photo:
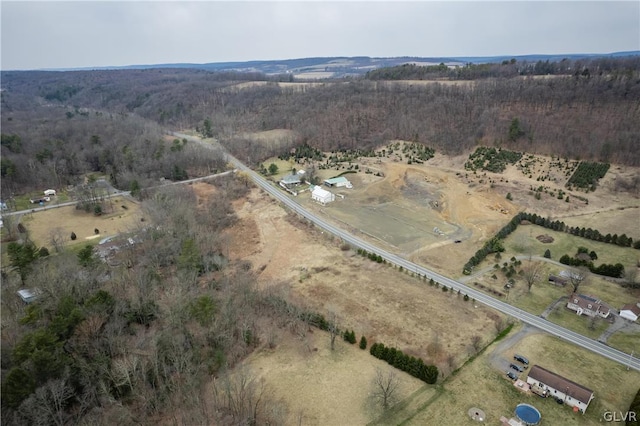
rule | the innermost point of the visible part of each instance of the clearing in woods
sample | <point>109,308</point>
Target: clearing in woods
<point>121,215</point>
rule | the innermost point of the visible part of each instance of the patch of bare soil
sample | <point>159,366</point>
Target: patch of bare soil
<point>545,239</point>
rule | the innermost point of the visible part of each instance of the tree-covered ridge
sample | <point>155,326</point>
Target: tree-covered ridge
<point>592,118</point>
<point>579,69</point>
<point>409,72</point>
<point>587,175</point>
<point>491,159</point>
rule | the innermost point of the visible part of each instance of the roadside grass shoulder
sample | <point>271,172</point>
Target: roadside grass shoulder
<point>582,324</point>
<point>626,342</point>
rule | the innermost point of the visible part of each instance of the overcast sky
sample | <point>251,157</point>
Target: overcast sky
<point>50,34</point>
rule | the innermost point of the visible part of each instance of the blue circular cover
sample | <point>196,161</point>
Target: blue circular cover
<point>528,414</point>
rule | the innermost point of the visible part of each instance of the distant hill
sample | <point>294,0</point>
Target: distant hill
<point>341,66</point>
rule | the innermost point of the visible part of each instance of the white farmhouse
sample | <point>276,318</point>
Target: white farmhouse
<point>322,196</point>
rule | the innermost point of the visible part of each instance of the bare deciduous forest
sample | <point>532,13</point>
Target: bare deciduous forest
<point>137,342</point>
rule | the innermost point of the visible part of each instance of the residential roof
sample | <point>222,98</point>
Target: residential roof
<point>289,179</point>
<point>336,180</point>
<point>584,301</point>
<point>562,384</point>
<point>319,192</point>
<point>631,307</point>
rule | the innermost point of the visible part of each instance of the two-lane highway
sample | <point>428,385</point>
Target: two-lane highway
<point>503,307</point>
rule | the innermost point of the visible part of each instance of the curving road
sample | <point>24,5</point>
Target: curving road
<point>526,317</point>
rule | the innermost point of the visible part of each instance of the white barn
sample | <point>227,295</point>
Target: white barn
<point>322,196</point>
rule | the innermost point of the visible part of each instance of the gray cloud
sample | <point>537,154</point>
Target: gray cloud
<point>79,34</point>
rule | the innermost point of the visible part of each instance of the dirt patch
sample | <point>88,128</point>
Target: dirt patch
<point>545,239</point>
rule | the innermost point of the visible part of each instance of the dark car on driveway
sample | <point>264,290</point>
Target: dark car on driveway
<point>512,375</point>
<point>516,367</point>
<point>521,359</point>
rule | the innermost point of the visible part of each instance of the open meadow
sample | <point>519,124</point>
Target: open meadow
<point>120,215</point>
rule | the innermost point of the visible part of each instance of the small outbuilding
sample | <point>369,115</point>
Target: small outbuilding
<point>29,296</point>
<point>630,311</point>
<point>322,196</point>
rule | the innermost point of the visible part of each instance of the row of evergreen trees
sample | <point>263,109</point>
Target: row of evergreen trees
<point>412,365</point>
<point>371,256</point>
<point>350,337</point>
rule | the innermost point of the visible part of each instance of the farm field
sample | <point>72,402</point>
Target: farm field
<point>616,221</point>
<point>376,300</point>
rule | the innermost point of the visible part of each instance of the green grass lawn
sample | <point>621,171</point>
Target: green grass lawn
<point>523,241</point>
<point>578,323</point>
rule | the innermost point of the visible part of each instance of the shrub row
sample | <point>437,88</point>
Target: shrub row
<point>412,365</point>
<point>488,289</point>
<point>371,256</point>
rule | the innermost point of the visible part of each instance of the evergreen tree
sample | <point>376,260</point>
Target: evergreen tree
<point>363,343</point>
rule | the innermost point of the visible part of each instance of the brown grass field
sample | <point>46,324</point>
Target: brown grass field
<point>398,211</point>
<point>320,276</point>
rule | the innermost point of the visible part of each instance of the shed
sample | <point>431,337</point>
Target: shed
<point>630,311</point>
<point>322,196</point>
<point>28,295</point>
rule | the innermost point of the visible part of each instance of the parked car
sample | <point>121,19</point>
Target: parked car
<point>517,368</point>
<point>521,359</point>
<point>512,375</point>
